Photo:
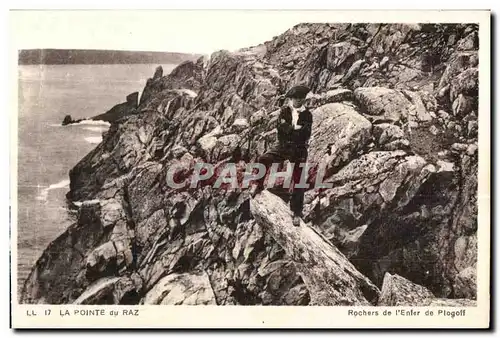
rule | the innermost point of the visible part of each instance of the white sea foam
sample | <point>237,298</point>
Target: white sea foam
<point>45,192</point>
<point>84,123</point>
<point>79,204</point>
<point>93,139</point>
<point>98,129</point>
<point>94,123</point>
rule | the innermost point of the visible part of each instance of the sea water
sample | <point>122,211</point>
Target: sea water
<point>47,150</point>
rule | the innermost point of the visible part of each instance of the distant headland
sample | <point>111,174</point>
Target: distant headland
<point>88,56</point>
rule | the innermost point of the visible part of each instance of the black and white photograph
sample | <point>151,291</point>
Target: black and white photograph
<point>330,164</point>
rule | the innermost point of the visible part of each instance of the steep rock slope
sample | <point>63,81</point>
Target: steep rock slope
<point>395,124</point>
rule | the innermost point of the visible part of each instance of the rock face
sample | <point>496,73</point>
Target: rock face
<point>398,291</point>
<point>188,75</point>
<point>381,103</point>
<point>395,124</point>
<point>67,120</point>
<point>181,289</point>
<point>330,278</point>
<point>339,132</point>
<point>119,111</point>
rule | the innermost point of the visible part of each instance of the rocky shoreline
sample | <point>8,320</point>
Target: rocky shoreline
<point>121,110</point>
<point>395,121</point>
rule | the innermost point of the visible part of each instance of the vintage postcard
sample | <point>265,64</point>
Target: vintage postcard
<point>250,169</point>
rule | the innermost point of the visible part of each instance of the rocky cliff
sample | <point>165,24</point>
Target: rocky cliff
<point>117,112</point>
<point>395,123</point>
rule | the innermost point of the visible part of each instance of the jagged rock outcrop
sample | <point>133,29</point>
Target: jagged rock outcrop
<point>339,132</point>
<point>186,76</point>
<point>67,120</point>
<point>331,96</point>
<point>330,278</point>
<point>59,283</point>
<point>394,121</point>
<point>382,104</point>
<point>111,290</point>
<point>385,133</point>
<point>119,111</point>
<point>429,240</point>
<point>398,291</point>
<point>182,289</point>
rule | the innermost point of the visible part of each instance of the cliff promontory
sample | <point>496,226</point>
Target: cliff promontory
<point>395,122</point>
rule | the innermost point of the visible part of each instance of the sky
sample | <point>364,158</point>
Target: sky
<point>173,31</point>
<point>191,31</point>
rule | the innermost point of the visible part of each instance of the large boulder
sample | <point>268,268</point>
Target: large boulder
<point>465,83</point>
<point>181,289</point>
<point>465,285</point>
<point>457,63</point>
<point>385,133</point>
<point>378,103</point>
<point>330,278</point>
<point>431,239</point>
<point>340,53</point>
<point>399,291</point>
<point>112,290</point>
<point>463,105</point>
<point>469,42</point>
<point>339,132</point>
<point>225,146</point>
<point>331,96</point>
<point>109,258</point>
<point>361,193</point>
<point>419,108</point>
<point>374,180</point>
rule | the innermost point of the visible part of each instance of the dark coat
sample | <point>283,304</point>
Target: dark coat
<point>287,135</point>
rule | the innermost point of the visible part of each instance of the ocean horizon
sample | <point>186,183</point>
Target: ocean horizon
<point>47,150</point>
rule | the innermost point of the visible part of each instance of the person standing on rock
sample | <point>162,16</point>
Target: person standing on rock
<point>294,131</point>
